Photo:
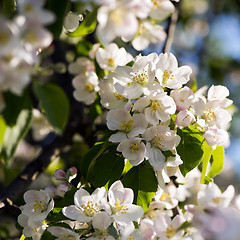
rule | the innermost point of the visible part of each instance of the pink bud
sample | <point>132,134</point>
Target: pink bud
<point>59,174</point>
<point>62,188</point>
<point>72,171</point>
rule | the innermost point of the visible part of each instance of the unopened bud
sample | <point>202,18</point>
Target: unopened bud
<point>62,188</point>
<point>71,173</point>
<point>59,174</point>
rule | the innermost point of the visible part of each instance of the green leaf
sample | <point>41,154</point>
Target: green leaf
<point>59,8</point>
<point>17,103</point>
<point>142,180</point>
<point>3,127</point>
<point>87,26</point>
<point>54,103</point>
<point>113,231</point>
<point>106,168</point>
<point>217,161</point>
<point>7,7</point>
<point>83,48</point>
<point>93,154</point>
<point>13,135</point>
<point>190,148</point>
<point>205,160</point>
<point>47,235</point>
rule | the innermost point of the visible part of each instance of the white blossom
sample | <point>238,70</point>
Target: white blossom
<point>148,33</point>
<point>169,74</point>
<point>112,56</point>
<point>120,200</point>
<point>86,87</point>
<point>86,205</point>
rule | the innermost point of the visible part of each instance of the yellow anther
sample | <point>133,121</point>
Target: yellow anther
<point>28,7</point>
<point>164,196</point>
<point>126,126</point>
<point>89,208</point>
<point>39,205</point>
<point>119,96</point>
<point>3,37</point>
<point>210,115</point>
<point>134,147</point>
<point>170,231</point>
<point>89,87</point>
<point>120,207</point>
<point>111,62</point>
<point>141,77</point>
<point>155,105</point>
<point>118,16</point>
<point>167,76</point>
<point>157,141</point>
<point>217,200</point>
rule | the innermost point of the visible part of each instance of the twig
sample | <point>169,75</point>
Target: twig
<point>170,30</point>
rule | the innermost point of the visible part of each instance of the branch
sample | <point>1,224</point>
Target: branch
<point>171,30</point>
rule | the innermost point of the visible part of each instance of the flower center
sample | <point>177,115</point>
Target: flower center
<point>164,196</point>
<point>167,76</point>
<point>131,237</point>
<point>141,77</point>
<point>217,200</point>
<point>134,147</point>
<point>155,105</point>
<point>119,96</point>
<point>210,115</point>
<point>89,87</point>
<point>120,208</point>
<point>111,62</point>
<point>156,3</point>
<point>90,209</point>
<point>3,37</point>
<point>117,16</point>
<point>28,7</point>
<point>157,141</point>
<point>126,126</point>
<point>39,206</point>
<point>170,231</point>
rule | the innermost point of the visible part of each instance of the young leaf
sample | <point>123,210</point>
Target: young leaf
<point>106,168</point>
<point>87,26</point>
<point>142,180</point>
<point>13,135</point>
<point>190,148</point>
<point>206,158</point>
<point>93,154</point>
<point>217,161</point>
<point>54,103</point>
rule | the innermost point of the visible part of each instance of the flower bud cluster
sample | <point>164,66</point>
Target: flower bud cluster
<point>21,38</point>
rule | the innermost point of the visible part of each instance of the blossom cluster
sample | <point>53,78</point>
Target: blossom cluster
<point>21,39</point>
<point>112,215</point>
<point>134,20</point>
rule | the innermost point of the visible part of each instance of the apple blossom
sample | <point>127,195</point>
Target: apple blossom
<point>112,56</point>
<point>86,205</point>
<point>161,9</point>
<point>110,98</point>
<point>184,119</point>
<point>148,33</point>
<point>115,20</point>
<point>212,196</point>
<point>120,200</point>
<point>86,87</point>
<point>159,138</point>
<point>81,65</point>
<point>216,137</point>
<point>169,74</point>
<point>128,126</point>
<point>38,205</point>
<point>133,150</point>
<point>183,98</point>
